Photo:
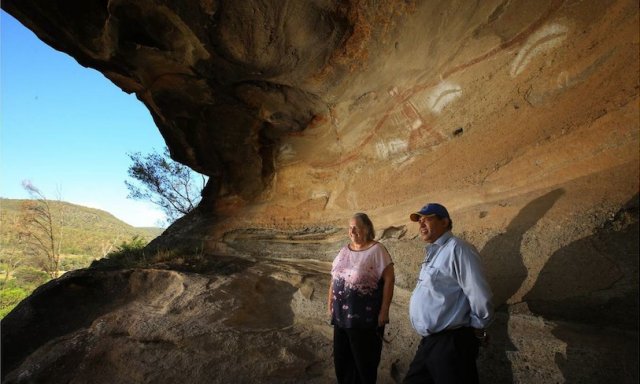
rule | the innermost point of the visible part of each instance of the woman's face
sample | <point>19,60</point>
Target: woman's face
<point>357,231</point>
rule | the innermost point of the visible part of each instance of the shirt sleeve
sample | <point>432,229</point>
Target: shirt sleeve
<point>384,259</point>
<point>337,262</point>
<point>471,278</point>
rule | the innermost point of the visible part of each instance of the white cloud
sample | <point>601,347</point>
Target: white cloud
<point>135,213</point>
<point>138,214</point>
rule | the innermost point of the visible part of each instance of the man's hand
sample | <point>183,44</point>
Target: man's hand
<point>482,336</point>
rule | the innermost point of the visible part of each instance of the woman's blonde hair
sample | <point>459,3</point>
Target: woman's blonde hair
<point>364,219</point>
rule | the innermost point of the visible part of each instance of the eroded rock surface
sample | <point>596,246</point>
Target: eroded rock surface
<point>521,117</point>
<point>167,327</point>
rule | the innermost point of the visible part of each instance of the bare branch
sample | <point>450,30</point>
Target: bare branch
<point>41,235</point>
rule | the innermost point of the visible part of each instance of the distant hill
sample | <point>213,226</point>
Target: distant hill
<point>87,232</point>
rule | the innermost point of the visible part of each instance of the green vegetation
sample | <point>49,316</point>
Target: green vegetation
<point>10,297</point>
<point>87,235</point>
<point>25,280</point>
<point>129,254</point>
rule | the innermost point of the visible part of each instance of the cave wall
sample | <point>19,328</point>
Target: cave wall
<point>521,117</point>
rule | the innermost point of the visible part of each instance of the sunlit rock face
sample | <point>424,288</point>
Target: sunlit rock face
<point>521,117</point>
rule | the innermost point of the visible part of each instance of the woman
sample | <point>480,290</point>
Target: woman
<point>360,294</point>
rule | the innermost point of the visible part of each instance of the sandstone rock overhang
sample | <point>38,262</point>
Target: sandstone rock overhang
<point>306,102</point>
<point>303,112</point>
<point>223,80</point>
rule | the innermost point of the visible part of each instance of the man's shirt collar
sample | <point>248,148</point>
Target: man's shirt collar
<point>443,239</point>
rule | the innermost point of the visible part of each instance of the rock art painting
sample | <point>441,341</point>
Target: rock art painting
<point>440,96</point>
<point>390,148</point>
<point>544,40</point>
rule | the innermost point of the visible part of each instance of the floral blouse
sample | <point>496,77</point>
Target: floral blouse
<point>357,286</point>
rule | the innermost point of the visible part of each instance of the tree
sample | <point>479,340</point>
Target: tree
<point>10,257</point>
<point>10,260</point>
<point>172,186</point>
<point>42,229</point>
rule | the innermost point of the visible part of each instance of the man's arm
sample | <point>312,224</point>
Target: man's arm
<point>471,278</point>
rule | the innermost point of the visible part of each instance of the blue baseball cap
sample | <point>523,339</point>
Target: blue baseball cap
<point>431,209</point>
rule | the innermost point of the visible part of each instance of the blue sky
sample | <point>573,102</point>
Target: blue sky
<point>68,128</point>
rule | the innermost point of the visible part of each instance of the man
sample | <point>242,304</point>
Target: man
<point>450,306</point>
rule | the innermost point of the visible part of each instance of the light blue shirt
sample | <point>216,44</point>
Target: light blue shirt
<point>452,291</point>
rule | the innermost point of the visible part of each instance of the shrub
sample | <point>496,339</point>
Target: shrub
<point>73,262</point>
<point>29,277</point>
<point>9,298</point>
<point>136,244</point>
<point>130,254</point>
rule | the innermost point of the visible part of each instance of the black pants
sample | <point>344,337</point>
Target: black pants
<point>447,357</point>
<point>356,354</point>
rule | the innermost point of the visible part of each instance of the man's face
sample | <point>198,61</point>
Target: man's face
<point>357,231</point>
<point>432,227</point>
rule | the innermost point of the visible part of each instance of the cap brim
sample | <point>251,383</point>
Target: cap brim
<point>416,216</point>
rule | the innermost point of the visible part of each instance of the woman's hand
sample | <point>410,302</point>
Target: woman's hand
<point>388,275</point>
<point>330,299</point>
<point>383,318</point>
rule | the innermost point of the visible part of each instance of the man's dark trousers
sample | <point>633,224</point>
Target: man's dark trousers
<point>447,357</point>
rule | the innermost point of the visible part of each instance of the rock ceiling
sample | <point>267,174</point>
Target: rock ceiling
<point>305,102</point>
